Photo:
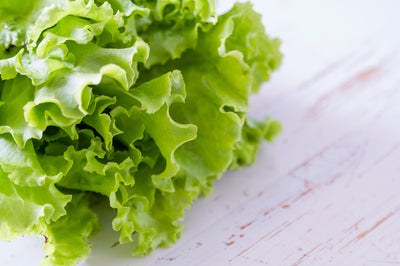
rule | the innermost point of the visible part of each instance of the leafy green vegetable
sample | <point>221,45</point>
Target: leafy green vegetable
<point>142,102</point>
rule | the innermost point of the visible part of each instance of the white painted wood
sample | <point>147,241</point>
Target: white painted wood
<point>327,191</point>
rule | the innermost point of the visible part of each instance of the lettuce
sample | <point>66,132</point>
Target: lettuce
<point>142,103</point>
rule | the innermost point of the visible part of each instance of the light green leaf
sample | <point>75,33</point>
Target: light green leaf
<point>15,93</point>
<point>25,209</point>
<point>67,238</point>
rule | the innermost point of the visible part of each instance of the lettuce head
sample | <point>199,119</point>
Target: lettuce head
<point>139,102</point>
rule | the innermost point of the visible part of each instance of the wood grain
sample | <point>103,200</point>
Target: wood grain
<point>327,191</point>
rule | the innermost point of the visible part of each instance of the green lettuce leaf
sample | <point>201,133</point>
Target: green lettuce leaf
<point>16,20</point>
<point>253,132</point>
<point>175,25</point>
<point>66,240</point>
<point>214,91</point>
<point>15,93</point>
<point>28,195</point>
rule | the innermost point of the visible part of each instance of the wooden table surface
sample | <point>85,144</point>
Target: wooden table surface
<point>327,191</point>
